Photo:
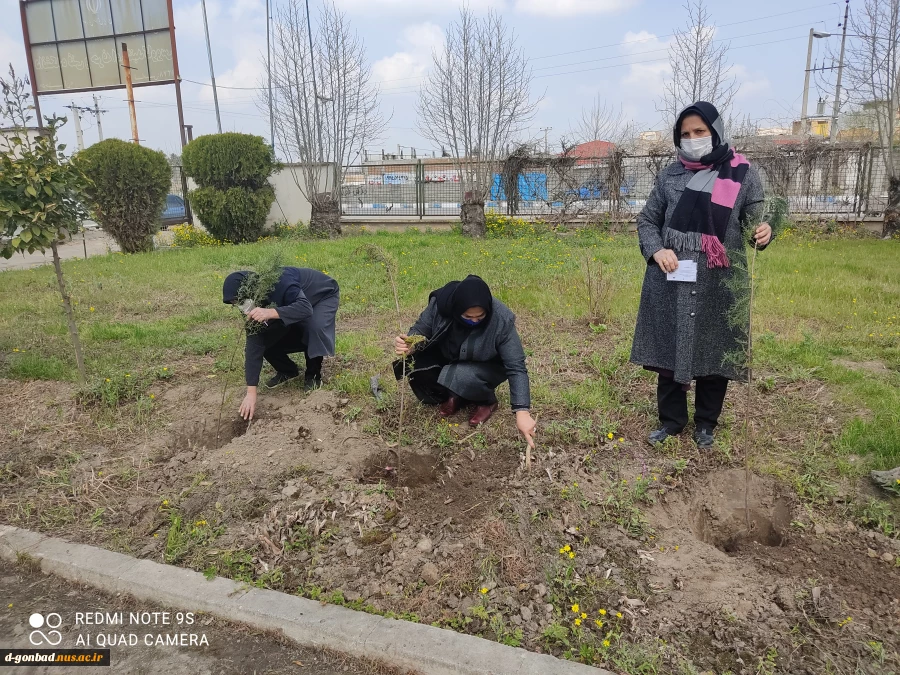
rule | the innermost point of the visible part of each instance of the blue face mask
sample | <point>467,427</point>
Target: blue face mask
<point>470,322</point>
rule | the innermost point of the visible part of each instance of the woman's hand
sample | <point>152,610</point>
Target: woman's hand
<point>248,405</point>
<point>526,425</point>
<point>400,346</point>
<point>666,259</point>
<point>763,234</point>
<point>263,314</point>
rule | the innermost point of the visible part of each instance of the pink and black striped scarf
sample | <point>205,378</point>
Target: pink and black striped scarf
<point>702,214</point>
<point>704,209</point>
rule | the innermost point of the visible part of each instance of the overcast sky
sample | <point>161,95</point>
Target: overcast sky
<point>578,49</point>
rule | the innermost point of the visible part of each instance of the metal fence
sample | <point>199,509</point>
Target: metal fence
<point>817,179</point>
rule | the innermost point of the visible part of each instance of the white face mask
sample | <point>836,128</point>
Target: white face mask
<point>694,148</point>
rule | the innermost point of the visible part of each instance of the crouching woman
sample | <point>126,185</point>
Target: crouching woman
<point>471,347</point>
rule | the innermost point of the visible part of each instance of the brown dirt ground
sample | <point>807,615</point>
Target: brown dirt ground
<point>452,530</point>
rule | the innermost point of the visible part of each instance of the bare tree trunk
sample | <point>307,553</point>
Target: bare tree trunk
<point>325,219</point>
<point>472,217</point>
<point>891,227</point>
<point>70,314</point>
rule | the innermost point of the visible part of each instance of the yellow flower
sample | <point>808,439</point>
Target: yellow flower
<point>562,550</point>
<point>609,435</point>
<point>10,605</point>
<point>566,548</point>
<point>572,554</point>
<point>165,370</point>
<point>599,623</point>
<point>165,502</point>
<point>15,349</point>
<point>601,612</point>
<point>576,608</point>
<point>107,379</point>
<point>127,375</point>
<point>621,440</point>
<point>156,534</point>
<point>583,615</point>
<point>574,484</point>
<point>618,615</point>
<point>152,397</point>
<point>606,643</point>
<point>92,309</point>
<point>484,591</point>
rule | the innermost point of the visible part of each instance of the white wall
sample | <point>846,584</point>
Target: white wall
<point>290,205</point>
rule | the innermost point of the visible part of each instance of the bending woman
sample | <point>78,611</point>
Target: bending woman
<point>300,318</point>
<point>698,211</point>
<point>471,348</point>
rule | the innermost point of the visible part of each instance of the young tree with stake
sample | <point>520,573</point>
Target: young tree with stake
<point>42,194</point>
<point>476,102</point>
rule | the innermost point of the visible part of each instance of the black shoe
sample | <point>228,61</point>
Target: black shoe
<point>279,379</point>
<point>660,435</point>
<point>312,382</point>
<point>704,438</point>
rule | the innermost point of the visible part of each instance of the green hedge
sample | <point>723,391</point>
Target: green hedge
<point>128,190</point>
<point>236,214</point>
<point>234,196</point>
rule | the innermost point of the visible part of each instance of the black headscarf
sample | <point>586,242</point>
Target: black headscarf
<point>232,286</point>
<point>452,301</point>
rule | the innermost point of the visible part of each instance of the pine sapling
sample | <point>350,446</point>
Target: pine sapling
<point>741,282</point>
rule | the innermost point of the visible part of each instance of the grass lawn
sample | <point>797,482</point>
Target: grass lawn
<point>824,306</point>
<point>655,549</point>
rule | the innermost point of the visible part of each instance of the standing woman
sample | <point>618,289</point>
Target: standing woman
<point>700,209</point>
<point>471,347</point>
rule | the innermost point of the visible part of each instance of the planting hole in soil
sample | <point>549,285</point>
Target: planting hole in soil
<point>403,469</point>
<point>727,530</point>
<point>203,434</point>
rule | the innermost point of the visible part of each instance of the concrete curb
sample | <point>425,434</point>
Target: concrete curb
<point>424,649</point>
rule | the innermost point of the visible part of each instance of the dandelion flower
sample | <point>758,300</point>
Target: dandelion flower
<point>484,591</point>
<point>606,643</point>
<point>601,612</point>
<point>562,550</point>
<point>165,370</point>
<point>571,554</point>
<point>618,615</point>
<point>92,309</point>
<point>583,615</point>
<point>599,623</point>
<point>566,548</point>
<point>576,608</point>
<point>577,622</point>
<point>609,435</point>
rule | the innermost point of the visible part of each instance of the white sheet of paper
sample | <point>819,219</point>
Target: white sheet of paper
<point>687,271</point>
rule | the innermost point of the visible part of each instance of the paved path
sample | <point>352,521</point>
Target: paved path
<point>233,649</point>
<point>96,241</point>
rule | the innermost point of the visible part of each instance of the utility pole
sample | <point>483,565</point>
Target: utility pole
<point>212,75</point>
<point>804,119</point>
<point>837,89</point>
<point>269,69</point>
<point>97,113</point>
<point>126,65</point>
<point>76,113</point>
<point>546,131</point>
<point>312,60</point>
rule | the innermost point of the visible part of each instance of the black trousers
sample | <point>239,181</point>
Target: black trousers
<point>277,356</point>
<point>672,400</point>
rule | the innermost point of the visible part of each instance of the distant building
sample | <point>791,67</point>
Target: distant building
<point>7,133</point>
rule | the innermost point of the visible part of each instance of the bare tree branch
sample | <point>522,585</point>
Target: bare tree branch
<point>700,67</point>
<point>325,130</point>
<point>476,102</point>
<point>872,72</point>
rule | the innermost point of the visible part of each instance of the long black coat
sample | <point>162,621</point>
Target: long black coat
<point>682,327</point>
<point>487,346</point>
<point>307,301</point>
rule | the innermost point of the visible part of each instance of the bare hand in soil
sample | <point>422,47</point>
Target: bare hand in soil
<point>526,425</point>
<point>248,405</point>
<point>400,346</point>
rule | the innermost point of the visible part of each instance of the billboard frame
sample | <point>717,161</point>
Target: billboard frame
<point>176,80</point>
